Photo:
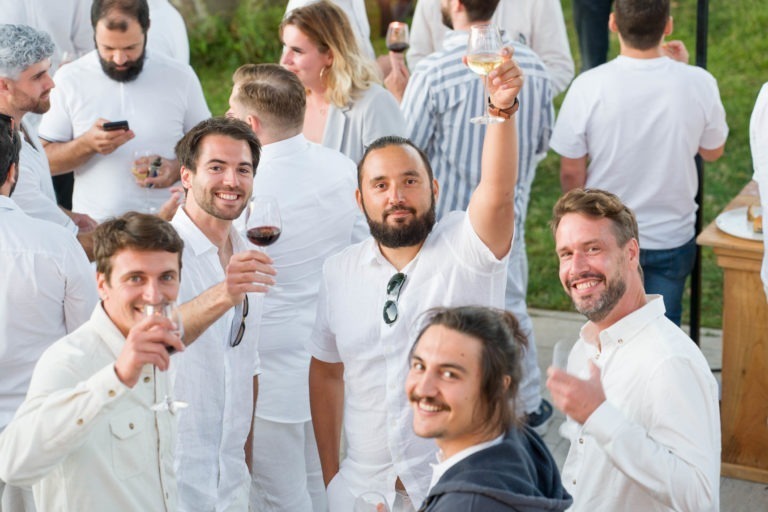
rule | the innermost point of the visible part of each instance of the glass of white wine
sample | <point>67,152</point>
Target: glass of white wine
<point>483,56</point>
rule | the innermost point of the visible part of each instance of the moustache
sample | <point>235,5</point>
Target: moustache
<point>413,397</point>
<point>390,211</point>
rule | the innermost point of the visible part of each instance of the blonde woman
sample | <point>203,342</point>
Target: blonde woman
<point>347,109</point>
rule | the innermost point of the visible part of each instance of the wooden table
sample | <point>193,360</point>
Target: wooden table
<point>744,406</point>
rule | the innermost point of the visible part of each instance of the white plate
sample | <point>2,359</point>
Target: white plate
<point>734,222</point>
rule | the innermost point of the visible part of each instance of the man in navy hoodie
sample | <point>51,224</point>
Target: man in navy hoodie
<point>464,373</point>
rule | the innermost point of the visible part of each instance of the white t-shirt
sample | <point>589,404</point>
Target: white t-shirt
<point>47,290</point>
<point>167,32</point>
<point>535,23</point>
<point>358,18</point>
<point>453,268</point>
<point>642,121</point>
<point>654,444</point>
<point>758,142</point>
<point>34,191</point>
<point>161,105</point>
<point>216,380</point>
<point>315,190</point>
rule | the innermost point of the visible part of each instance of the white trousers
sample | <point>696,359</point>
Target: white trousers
<point>286,468</point>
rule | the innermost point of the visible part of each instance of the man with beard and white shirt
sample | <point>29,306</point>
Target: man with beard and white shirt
<point>373,293</point>
<point>217,375</point>
<point>25,87</point>
<point>314,187</point>
<point>160,98</point>
<point>642,404</point>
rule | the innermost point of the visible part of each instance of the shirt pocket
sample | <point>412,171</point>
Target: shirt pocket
<point>130,442</point>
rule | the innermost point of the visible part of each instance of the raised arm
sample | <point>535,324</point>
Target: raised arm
<point>492,207</point>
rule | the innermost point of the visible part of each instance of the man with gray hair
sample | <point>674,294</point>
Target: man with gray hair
<point>25,87</point>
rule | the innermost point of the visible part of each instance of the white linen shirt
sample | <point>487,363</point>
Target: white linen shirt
<point>453,268</point>
<point>163,103</point>
<point>538,24</point>
<point>48,289</point>
<point>34,191</point>
<point>83,439</point>
<point>654,444</point>
<point>216,380</point>
<point>622,115</point>
<point>167,32</point>
<point>315,189</point>
<point>758,143</point>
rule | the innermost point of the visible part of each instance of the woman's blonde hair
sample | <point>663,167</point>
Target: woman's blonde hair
<point>329,29</point>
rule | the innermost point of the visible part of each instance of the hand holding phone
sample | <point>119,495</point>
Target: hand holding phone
<point>115,125</point>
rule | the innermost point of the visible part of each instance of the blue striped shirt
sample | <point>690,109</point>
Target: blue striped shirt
<point>441,97</point>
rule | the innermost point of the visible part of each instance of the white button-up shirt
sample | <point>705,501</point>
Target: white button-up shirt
<point>83,439</point>
<point>453,268</point>
<point>654,444</point>
<point>758,143</point>
<point>216,380</point>
<point>315,189</point>
<point>47,290</point>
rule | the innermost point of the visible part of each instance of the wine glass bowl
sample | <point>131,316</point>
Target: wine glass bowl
<point>483,56</point>
<point>263,225</point>
<point>398,39</point>
<point>170,311</point>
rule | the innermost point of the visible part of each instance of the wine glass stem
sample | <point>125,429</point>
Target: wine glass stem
<point>486,98</point>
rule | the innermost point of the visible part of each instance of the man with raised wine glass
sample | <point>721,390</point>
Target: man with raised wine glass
<point>85,437</point>
<point>47,290</point>
<point>643,416</point>
<point>120,80</point>
<point>437,123</point>
<point>218,374</point>
<point>314,187</point>
<point>373,292</point>
<point>25,87</point>
<point>633,126</point>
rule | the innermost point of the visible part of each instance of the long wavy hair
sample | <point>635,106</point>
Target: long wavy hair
<point>329,29</point>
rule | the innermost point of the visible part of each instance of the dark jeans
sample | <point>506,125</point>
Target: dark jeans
<point>591,20</point>
<point>665,273</point>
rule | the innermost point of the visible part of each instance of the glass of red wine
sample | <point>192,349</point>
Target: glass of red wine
<point>397,37</point>
<point>262,221</point>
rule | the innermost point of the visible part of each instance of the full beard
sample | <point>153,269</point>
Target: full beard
<point>132,71</point>
<point>406,234</point>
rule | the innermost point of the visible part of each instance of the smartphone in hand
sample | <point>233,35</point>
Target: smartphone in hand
<point>115,125</point>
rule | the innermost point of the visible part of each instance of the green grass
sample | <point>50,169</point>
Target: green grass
<point>738,58</point>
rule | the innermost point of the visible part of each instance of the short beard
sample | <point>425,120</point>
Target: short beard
<point>124,75</point>
<point>404,235</point>
<point>605,303</point>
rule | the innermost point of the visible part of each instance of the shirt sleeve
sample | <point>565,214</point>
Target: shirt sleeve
<point>322,344</point>
<point>678,458</point>
<point>549,40</point>
<point>56,418</point>
<point>569,138</point>
<point>80,295</point>
<point>716,130</point>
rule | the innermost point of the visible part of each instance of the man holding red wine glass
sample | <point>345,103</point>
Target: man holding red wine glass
<point>218,375</point>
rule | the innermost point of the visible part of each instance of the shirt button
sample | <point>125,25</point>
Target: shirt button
<point>80,421</point>
<point>597,356</point>
<point>147,379</point>
<point>130,426</point>
<point>621,340</point>
<point>111,392</point>
<point>574,482</point>
<point>581,440</point>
